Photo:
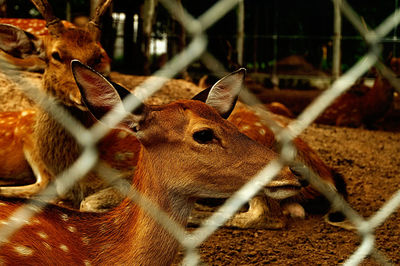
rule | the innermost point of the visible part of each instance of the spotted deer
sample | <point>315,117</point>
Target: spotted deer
<point>362,105</point>
<point>189,151</point>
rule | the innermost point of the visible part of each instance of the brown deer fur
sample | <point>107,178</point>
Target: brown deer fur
<point>176,165</point>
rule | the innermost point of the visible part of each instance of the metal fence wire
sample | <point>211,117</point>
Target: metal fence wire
<point>190,241</point>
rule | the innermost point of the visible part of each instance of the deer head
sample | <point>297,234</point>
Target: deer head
<point>186,131</point>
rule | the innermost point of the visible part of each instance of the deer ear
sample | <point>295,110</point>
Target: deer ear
<point>122,92</point>
<point>19,43</point>
<point>222,96</point>
<point>98,94</point>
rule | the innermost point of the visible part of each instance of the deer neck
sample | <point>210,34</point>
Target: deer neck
<point>134,237</point>
<point>57,147</point>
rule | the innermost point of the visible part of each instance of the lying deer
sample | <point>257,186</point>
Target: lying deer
<point>189,151</point>
<point>362,105</point>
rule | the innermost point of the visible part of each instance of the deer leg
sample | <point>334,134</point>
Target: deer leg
<point>28,191</point>
<point>263,213</point>
<point>294,210</point>
<point>338,219</point>
<point>105,199</point>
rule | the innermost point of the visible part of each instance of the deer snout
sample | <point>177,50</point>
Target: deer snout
<point>286,184</point>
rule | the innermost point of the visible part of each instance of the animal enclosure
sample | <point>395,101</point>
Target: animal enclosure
<point>366,158</point>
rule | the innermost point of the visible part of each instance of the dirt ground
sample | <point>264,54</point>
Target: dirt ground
<point>370,164</point>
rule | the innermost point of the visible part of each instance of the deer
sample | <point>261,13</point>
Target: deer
<point>362,105</point>
<point>189,150</point>
<point>108,148</point>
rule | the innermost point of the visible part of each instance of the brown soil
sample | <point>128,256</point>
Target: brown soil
<point>370,164</point>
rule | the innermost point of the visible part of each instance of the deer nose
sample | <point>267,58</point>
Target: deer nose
<point>303,182</point>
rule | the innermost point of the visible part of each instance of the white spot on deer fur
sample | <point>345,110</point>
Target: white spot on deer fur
<point>64,217</point>
<point>122,156</point>
<point>72,229</point>
<point>34,208</point>
<point>246,127</point>
<point>122,134</point>
<point>19,220</point>
<point>258,124</point>
<point>47,246</point>
<point>4,222</point>
<point>262,131</point>
<point>42,235</point>
<point>85,240</point>
<point>24,113</point>
<point>3,204</point>
<point>24,251</point>
<point>35,221</point>
<point>64,248</point>
<point>87,263</point>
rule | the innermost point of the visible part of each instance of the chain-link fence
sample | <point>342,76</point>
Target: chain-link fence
<point>190,241</point>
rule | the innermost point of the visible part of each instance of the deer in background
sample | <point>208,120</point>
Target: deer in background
<point>189,151</point>
<point>362,105</point>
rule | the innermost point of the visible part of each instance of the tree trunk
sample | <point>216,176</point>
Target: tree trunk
<point>240,33</point>
<point>177,39</point>
<point>3,8</point>
<point>148,12</point>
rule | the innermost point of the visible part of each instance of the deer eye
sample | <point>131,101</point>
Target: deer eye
<point>204,136</point>
<point>56,56</point>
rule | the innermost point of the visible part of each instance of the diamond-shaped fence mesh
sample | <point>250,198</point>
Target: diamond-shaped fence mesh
<point>190,241</point>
